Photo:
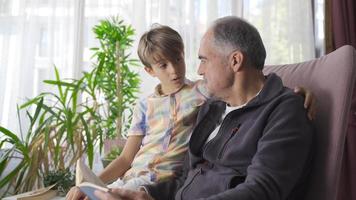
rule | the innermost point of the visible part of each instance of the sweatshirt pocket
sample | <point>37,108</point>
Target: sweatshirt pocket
<point>187,185</point>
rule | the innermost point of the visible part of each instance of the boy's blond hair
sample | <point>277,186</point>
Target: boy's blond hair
<point>160,43</point>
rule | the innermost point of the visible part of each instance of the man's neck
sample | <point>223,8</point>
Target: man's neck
<point>247,85</point>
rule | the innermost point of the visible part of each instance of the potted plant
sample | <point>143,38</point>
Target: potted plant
<point>63,127</point>
<point>114,76</point>
<point>118,84</point>
<point>60,131</point>
<point>63,180</point>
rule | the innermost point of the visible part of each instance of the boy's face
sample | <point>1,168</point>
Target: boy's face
<point>171,75</point>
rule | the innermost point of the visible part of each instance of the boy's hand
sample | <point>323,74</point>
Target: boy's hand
<point>309,101</point>
<point>121,194</point>
<point>75,194</point>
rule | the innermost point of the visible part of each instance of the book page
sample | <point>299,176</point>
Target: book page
<point>84,174</point>
<point>89,188</point>
<point>96,187</point>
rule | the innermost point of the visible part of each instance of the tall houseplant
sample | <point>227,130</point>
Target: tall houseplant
<point>62,127</point>
<point>114,75</point>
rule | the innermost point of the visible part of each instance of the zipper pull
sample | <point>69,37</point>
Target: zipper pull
<point>234,130</point>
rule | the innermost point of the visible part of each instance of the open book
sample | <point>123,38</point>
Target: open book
<point>40,194</point>
<point>87,181</point>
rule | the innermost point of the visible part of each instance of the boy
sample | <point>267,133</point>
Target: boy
<point>162,122</point>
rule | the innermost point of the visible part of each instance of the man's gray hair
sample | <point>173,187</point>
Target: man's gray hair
<point>237,34</point>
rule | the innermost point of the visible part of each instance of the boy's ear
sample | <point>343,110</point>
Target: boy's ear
<point>236,60</point>
<point>150,71</point>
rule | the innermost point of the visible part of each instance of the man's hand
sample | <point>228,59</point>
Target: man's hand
<point>122,194</point>
<point>309,101</point>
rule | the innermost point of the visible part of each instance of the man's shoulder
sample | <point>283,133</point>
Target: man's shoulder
<point>287,94</point>
<point>277,90</point>
<point>288,105</point>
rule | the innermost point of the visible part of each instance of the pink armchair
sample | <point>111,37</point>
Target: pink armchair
<point>332,79</point>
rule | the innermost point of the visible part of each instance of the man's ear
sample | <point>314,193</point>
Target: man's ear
<point>150,71</point>
<point>236,60</point>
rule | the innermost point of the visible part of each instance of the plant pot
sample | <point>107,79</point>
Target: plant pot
<point>109,144</point>
<point>112,149</point>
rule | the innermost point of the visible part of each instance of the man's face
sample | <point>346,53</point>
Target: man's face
<point>214,67</point>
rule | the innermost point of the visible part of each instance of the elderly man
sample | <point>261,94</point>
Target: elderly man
<point>252,141</point>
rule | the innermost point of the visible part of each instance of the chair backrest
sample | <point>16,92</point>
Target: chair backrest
<point>332,79</point>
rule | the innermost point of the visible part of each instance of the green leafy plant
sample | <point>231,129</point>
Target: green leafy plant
<point>61,130</point>
<point>73,120</point>
<point>114,76</point>
<point>63,179</point>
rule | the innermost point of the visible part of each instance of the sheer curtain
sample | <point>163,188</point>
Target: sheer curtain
<point>286,27</point>
<point>35,35</point>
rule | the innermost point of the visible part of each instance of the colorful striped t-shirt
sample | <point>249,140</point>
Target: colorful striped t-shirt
<point>166,122</point>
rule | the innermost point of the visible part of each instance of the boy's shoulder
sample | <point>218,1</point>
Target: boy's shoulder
<point>197,86</point>
<point>195,83</point>
<point>200,86</point>
<point>191,87</point>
